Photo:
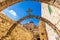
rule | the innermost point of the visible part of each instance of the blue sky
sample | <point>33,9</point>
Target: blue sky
<point>19,10</point>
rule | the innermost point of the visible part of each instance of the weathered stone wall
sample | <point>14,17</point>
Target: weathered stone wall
<point>5,24</point>
<point>19,33</point>
<point>54,17</point>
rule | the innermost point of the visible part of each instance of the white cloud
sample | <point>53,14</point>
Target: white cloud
<point>13,12</point>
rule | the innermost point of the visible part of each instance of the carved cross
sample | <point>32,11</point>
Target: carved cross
<point>29,11</point>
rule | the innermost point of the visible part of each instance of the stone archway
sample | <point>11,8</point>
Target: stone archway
<point>5,4</point>
<point>32,16</point>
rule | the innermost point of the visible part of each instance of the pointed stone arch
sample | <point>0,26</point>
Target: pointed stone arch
<point>8,3</point>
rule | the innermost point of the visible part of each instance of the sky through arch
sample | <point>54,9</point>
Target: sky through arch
<point>22,9</point>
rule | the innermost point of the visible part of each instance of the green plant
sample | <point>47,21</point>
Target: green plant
<point>50,10</point>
